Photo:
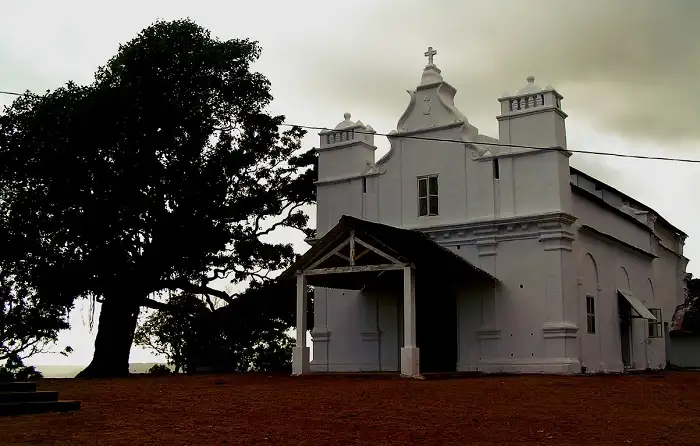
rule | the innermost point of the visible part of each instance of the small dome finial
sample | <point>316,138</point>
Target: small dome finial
<point>347,116</point>
<point>531,79</point>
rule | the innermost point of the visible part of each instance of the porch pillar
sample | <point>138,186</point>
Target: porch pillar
<point>409,351</point>
<point>300,353</point>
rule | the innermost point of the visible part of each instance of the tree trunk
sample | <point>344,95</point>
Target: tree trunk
<point>115,335</point>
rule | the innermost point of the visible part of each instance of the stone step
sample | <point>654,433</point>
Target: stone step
<point>17,386</point>
<point>37,407</point>
<point>26,397</point>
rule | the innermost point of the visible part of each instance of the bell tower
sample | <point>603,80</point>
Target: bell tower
<point>533,117</point>
<point>345,151</point>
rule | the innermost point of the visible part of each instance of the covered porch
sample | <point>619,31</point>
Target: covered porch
<point>356,254</point>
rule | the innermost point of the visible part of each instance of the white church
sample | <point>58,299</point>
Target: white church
<point>459,252</point>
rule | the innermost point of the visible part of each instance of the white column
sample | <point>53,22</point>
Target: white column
<point>300,353</point>
<point>409,352</point>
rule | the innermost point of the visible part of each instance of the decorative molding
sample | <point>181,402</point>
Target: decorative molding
<point>551,226</point>
<point>557,240</point>
<point>346,179</point>
<point>486,247</point>
<point>488,333</point>
<point>320,336</point>
<point>532,111</point>
<point>371,335</point>
<point>559,330</point>
<point>345,145</point>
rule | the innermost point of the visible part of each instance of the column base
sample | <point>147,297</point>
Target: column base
<point>300,360</point>
<point>410,362</point>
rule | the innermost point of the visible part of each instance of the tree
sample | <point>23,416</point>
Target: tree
<point>250,334</point>
<point>27,326</point>
<point>166,331</point>
<point>166,173</point>
<point>691,317</point>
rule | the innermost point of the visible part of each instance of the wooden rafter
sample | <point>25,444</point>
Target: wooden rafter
<point>356,269</point>
<point>352,241</point>
<point>377,251</point>
<point>335,251</point>
<point>352,248</point>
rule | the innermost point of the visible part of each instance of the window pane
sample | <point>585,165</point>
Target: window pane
<point>422,207</point>
<point>433,205</point>
<point>433,185</point>
<point>592,305</point>
<point>422,187</point>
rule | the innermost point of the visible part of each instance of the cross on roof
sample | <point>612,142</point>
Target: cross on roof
<point>429,54</point>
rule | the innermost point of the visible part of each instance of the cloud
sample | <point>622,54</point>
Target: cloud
<point>629,67</point>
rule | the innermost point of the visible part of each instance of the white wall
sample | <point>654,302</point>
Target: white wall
<point>522,227</point>
<point>685,351</point>
<point>604,266</point>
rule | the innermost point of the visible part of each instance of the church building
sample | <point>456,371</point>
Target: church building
<point>457,251</point>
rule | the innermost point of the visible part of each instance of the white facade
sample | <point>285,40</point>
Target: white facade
<point>569,251</point>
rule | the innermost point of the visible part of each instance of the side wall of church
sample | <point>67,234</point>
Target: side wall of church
<point>603,266</point>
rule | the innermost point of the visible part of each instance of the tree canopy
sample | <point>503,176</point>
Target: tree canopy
<point>163,174</point>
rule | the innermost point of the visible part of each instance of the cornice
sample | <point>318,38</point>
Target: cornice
<point>488,232</point>
<point>532,111</point>
<point>345,145</point>
<point>347,179</point>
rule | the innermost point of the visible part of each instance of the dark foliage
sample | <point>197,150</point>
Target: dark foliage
<point>164,174</point>
<point>28,325</point>
<point>160,370</point>
<point>250,334</point>
<point>691,318</point>
<point>15,370</point>
<point>166,331</point>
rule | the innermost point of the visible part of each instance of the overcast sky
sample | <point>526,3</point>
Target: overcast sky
<point>629,71</point>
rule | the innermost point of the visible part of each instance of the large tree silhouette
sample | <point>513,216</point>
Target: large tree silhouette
<point>163,174</point>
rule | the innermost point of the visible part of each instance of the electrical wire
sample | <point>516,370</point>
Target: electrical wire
<point>499,144</point>
<point>484,143</point>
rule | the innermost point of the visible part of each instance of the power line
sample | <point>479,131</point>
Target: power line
<point>485,143</point>
<point>519,146</point>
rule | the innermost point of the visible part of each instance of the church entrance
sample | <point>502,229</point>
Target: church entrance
<point>626,339</point>
<point>436,327</point>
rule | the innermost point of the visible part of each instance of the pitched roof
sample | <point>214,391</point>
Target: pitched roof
<point>409,246</point>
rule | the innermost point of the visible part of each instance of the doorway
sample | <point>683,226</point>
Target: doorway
<point>436,328</point>
<point>626,339</point>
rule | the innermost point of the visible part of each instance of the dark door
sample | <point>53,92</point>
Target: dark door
<point>436,328</point>
<point>625,340</point>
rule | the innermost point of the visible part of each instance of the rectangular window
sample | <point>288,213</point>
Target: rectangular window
<point>428,196</point>
<point>496,169</point>
<point>655,330</point>
<point>590,314</point>
<point>364,185</point>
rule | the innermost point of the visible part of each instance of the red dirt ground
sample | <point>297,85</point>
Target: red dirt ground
<point>339,410</point>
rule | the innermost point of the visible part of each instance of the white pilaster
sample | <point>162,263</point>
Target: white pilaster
<point>409,352</point>
<point>300,353</point>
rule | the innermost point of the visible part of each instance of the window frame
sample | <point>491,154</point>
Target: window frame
<point>590,314</point>
<point>429,195</point>
<point>655,329</point>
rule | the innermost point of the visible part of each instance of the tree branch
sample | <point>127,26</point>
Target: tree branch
<point>184,285</point>
<point>282,222</point>
<point>154,304</point>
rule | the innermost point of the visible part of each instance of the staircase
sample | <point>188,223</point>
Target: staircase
<point>21,398</point>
